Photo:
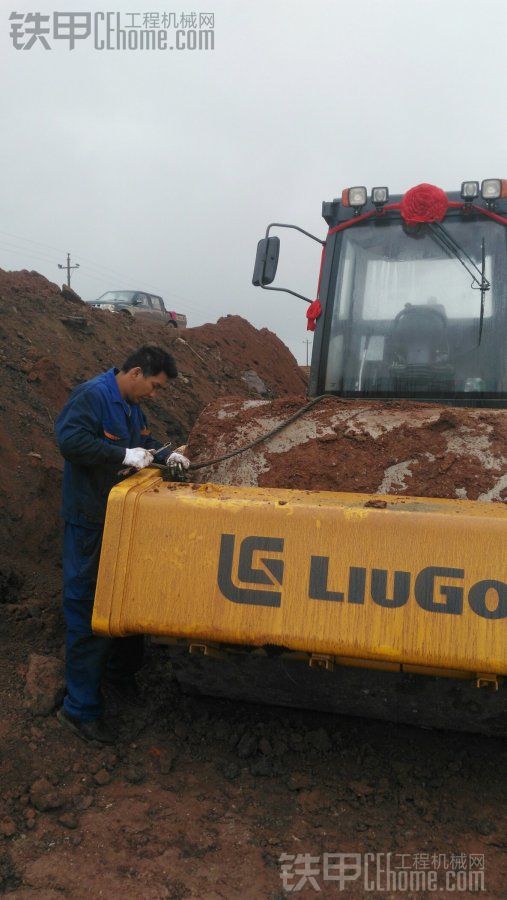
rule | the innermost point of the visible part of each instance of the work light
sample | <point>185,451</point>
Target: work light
<point>355,197</point>
<point>491,189</point>
<point>379,196</point>
<point>469,190</point>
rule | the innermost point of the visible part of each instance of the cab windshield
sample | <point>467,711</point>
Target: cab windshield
<point>405,320</point>
<point>124,297</point>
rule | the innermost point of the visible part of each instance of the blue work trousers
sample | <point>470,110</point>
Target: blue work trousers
<point>89,656</point>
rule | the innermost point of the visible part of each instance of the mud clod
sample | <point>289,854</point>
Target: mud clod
<point>44,797</point>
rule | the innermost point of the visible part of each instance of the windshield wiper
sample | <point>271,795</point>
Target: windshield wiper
<point>446,240</point>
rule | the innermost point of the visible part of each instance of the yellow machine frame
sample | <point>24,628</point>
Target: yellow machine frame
<point>385,582</point>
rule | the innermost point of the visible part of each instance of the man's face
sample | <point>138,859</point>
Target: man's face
<point>143,387</point>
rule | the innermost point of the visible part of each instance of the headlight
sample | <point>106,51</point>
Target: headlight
<point>469,190</point>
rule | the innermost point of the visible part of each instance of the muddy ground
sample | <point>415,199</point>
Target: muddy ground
<point>200,798</point>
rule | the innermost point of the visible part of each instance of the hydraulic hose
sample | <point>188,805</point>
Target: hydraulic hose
<point>264,437</point>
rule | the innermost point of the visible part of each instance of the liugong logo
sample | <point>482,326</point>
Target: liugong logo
<point>252,569</point>
<point>436,589</point>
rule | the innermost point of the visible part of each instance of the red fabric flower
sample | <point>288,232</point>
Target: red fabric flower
<point>312,314</point>
<point>424,203</point>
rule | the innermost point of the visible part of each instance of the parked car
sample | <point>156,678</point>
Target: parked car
<point>139,303</point>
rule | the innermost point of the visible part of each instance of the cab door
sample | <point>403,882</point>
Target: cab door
<point>142,306</point>
<point>158,308</point>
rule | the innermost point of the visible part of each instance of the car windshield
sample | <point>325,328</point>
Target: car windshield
<point>125,297</point>
<point>405,320</point>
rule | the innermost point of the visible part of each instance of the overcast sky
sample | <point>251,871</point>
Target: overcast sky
<point>160,169</point>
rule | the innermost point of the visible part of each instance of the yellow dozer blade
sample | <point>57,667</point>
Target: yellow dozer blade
<point>343,583</point>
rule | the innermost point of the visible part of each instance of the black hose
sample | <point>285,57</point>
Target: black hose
<point>269,434</point>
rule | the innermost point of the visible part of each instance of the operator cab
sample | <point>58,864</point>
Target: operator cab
<point>409,310</point>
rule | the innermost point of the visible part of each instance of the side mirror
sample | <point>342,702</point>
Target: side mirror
<point>266,261</point>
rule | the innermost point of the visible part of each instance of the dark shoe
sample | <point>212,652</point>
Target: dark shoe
<point>124,690</point>
<point>89,729</point>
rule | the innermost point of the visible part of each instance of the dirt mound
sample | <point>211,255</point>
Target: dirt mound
<point>49,342</point>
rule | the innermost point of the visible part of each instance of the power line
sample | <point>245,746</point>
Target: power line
<point>148,285</point>
<point>117,274</point>
<point>27,254</point>
<point>30,241</point>
<point>32,256</point>
<point>96,277</point>
<point>90,262</point>
<point>35,256</point>
<point>99,268</point>
<point>38,257</point>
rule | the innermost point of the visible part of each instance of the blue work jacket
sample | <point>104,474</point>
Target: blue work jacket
<point>93,430</point>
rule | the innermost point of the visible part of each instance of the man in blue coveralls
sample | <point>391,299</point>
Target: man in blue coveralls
<point>101,430</point>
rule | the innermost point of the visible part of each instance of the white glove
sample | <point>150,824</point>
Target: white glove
<point>138,458</point>
<point>178,459</point>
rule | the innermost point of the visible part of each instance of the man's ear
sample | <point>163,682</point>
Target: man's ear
<point>136,371</point>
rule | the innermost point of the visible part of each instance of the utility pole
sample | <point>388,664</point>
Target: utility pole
<point>307,341</point>
<point>68,267</point>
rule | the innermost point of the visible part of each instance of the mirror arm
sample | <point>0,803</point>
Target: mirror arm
<point>307,233</point>
<point>296,228</point>
<point>286,291</point>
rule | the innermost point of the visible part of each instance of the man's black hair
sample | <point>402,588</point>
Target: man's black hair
<point>151,360</point>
